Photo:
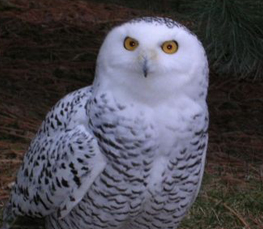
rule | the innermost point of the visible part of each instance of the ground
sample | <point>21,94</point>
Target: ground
<point>48,48</point>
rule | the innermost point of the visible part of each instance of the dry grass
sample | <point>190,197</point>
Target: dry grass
<point>48,48</point>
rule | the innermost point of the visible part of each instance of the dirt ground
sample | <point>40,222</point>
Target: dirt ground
<point>49,47</point>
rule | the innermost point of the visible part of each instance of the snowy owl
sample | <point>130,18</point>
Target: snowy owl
<point>129,151</point>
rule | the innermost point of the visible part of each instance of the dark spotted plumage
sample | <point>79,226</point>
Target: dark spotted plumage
<point>58,161</point>
<point>127,152</point>
<point>158,20</point>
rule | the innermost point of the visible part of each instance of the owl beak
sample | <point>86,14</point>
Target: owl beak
<point>144,59</point>
<point>145,67</point>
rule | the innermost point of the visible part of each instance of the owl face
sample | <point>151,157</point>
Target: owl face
<point>152,56</point>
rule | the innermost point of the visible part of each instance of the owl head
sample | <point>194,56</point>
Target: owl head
<point>152,58</point>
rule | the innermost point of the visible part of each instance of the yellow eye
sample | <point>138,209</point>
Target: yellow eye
<point>170,47</point>
<point>130,43</point>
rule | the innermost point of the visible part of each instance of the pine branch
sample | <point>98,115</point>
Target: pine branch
<point>232,34</point>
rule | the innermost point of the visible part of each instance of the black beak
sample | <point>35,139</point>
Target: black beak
<point>145,68</point>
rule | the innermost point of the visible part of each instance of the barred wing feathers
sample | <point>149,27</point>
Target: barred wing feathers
<point>62,161</point>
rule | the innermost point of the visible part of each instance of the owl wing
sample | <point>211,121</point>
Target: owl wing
<point>62,162</point>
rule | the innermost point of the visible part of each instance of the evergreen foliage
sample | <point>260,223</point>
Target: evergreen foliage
<point>232,32</point>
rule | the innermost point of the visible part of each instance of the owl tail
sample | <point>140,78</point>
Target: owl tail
<point>9,217</point>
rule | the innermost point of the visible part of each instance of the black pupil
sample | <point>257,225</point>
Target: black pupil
<point>169,46</point>
<point>132,43</point>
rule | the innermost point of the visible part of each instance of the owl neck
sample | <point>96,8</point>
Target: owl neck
<point>130,87</point>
